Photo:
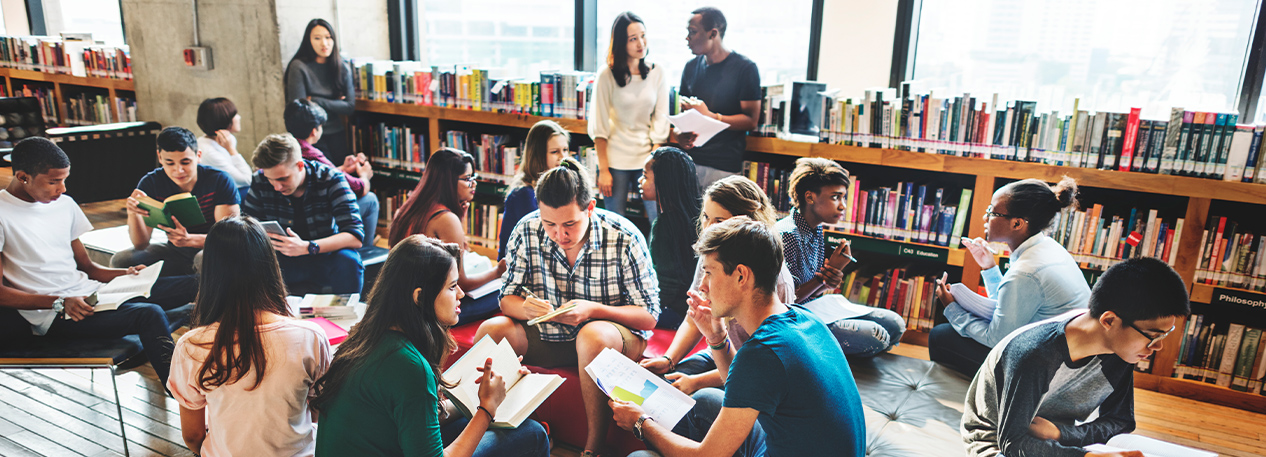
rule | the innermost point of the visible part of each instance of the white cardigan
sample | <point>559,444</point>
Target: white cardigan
<point>632,118</point>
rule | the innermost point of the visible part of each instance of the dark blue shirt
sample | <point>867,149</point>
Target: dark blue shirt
<point>519,202</point>
<point>214,188</point>
<point>722,86</point>
<point>794,374</point>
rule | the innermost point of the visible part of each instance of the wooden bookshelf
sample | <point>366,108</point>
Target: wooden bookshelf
<point>1199,193</point>
<point>112,86</point>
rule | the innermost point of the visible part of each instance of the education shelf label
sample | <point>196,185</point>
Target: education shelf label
<point>861,243</point>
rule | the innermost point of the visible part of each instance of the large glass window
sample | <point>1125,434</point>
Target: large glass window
<point>1113,54</point>
<point>510,38</point>
<point>776,38</point>
<point>100,17</point>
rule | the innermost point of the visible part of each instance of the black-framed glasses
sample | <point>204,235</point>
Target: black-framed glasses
<point>990,213</point>
<point>470,180</point>
<point>1153,340</point>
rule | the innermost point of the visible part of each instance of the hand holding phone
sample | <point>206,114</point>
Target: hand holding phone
<point>273,227</point>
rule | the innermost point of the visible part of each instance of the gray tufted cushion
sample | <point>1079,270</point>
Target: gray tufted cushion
<point>913,406</point>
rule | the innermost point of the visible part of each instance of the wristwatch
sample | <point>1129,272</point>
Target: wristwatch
<point>637,427</point>
<point>59,305</point>
<point>313,248</point>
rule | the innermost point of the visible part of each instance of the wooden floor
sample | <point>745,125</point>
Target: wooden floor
<point>71,413</point>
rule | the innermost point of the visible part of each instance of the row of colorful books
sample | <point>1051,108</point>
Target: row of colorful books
<point>907,212</point>
<point>65,56</point>
<point>1226,354</point>
<point>87,109</point>
<point>496,156</point>
<point>483,223</point>
<point>1231,256</point>
<point>562,94</point>
<point>908,295</point>
<point>43,93</point>
<point>1097,240</point>
<point>394,146</point>
<point>774,180</point>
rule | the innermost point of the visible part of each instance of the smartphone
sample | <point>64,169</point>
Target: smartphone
<point>273,227</point>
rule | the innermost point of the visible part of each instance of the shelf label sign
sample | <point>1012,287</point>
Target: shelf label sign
<point>867,244</point>
<point>1239,298</point>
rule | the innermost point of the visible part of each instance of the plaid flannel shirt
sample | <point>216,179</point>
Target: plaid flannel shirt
<point>803,246</point>
<point>613,268</point>
<point>329,206</point>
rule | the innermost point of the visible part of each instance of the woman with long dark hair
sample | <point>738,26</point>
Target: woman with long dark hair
<point>669,179</point>
<point>381,394</point>
<point>242,375</point>
<point>317,72</point>
<point>629,116</point>
<point>436,208</point>
<point>546,146</point>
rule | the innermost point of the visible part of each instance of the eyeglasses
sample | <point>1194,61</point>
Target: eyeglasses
<point>989,213</point>
<point>1153,340</point>
<point>470,180</point>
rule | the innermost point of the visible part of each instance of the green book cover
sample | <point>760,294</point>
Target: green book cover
<point>960,220</point>
<point>183,206</point>
<point>1244,362</point>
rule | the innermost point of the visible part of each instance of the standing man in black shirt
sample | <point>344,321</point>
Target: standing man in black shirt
<point>726,87</point>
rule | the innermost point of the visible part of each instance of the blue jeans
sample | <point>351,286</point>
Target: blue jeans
<point>700,362</point>
<point>477,309</point>
<point>622,183</point>
<point>869,334</point>
<point>699,420</point>
<point>338,272</point>
<point>529,440</point>
<point>957,352</point>
<point>176,260</point>
<point>369,216</point>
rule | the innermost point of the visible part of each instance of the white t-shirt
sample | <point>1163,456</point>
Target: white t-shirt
<point>632,118</point>
<point>35,241</point>
<point>215,156</point>
<point>269,419</point>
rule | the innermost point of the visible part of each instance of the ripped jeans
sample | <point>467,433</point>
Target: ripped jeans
<point>869,334</point>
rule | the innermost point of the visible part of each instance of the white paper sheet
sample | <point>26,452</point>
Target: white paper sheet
<point>973,302</point>
<point>831,308</point>
<point>125,287</point>
<point>1150,447</point>
<point>622,378</point>
<point>703,127</point>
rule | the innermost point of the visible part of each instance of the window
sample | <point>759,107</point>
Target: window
<point>510,38</point>
<point>777,39</point>
<point>101,17</point>
<point>1113,54</point>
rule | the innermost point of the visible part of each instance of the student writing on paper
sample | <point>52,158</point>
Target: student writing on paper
<point>786,393</point>
<point>180,172</point>
<point>1041,282</point>
<point>1041,382</point>
<point>728,197</point>
<point>818,188</point>
<point>47,274</point>
<point>726,86</point>
<point>546,145</point>
<point>570,253</point>
<point>669,178</point>
<point>242,374</point>
<point>381,394</point>
<point>437,208</point>
<point>303,120</point>
<point>629,114</point>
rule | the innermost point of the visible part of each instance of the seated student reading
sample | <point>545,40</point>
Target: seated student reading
<point>668,177</point>
<point>242,376</point>
<point>566,254</point>
<point>1042,281</point>
<point>437,208</point>
<point>727,197</point>
<point>180,172</point>
<point>47,276</point>
<point>318,211</point>
<point>545,147</point>
<point>788,389</point>
<point>381,395</point>
<point>218,119</point>
<point>303,121</point>
<point>818,189</point>
<point>1040,383</point>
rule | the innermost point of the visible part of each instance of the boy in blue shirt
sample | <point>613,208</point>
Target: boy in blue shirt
<point>788,389</point>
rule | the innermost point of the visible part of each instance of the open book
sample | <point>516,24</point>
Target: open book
<point>623,379</point>
<point>125,287</point>
<point>184,206</point>
<point>974,303</point>
<point>524,393</point>
<point>1151,447</point>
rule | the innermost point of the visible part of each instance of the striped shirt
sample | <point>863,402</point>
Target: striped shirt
<point>613,268</point>
<point>327,206</point>
<point>803,245</point>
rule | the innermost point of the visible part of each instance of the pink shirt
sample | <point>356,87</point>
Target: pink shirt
<point>273,418</point>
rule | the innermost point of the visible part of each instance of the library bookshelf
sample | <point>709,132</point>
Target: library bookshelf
<point>988,175</point>
<point>61,85</point>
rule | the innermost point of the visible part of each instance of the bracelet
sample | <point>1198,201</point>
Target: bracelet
<point>725,343</point>
<point>671,363</point>
<point>491,418</point>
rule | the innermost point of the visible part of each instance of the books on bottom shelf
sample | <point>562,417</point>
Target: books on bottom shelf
<point>910,296</point>
<point>623,379</point>
<point>1226,354</point>
<point>524,393</point>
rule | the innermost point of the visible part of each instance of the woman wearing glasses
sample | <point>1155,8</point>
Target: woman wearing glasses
<point>1042,281</point>
<point>436,208</point>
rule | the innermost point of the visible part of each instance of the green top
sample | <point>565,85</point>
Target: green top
<point>389,407</point>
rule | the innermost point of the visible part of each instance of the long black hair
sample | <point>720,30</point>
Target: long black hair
<point>307,54</point>
<point>618,58</point>
<point>677,193</point>
<point>438,185</point>
<point>240,278</point>
<point>417,262</point>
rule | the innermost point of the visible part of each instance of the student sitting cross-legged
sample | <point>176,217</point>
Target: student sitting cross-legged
<point>788,389</point>
<point>381,394</point>
<point>569,253</point>
<point>318,211</point>
<point>303,121</point>
<point>180,172</point>
<point>243,375</point>
<point>1041,383</point>
<point>48,278</point>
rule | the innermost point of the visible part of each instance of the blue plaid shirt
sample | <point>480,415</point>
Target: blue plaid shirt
<point>803,246</point>
<point>613,268</point>
<point>329,206</point>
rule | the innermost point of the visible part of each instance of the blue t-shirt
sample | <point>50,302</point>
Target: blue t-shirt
<point>214,188</point>
<point>519,202</point>
<point>722,86</point>
<point>792,371</point>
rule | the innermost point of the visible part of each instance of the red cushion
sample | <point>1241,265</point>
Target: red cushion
<point>563,410</point>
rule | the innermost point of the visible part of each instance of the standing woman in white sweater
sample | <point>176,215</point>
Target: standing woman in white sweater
<point>629,116</point>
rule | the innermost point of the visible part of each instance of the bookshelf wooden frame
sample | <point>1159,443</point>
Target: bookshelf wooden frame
<point>113,86</point>
<point>1199,192</point>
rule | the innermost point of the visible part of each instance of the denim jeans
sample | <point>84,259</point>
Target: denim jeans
<point>699,420</point>
<point>529,440</point>
<point>338,272</point>
<point>477,309</point>
<point>624,182</point>
<point>957,352</point>
<point>176,260</point>
<point>700,362</point>
<point>870,334</point>
<point>369,216</point>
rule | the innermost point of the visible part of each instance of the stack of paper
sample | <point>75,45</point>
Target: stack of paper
<point>702,126</point>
